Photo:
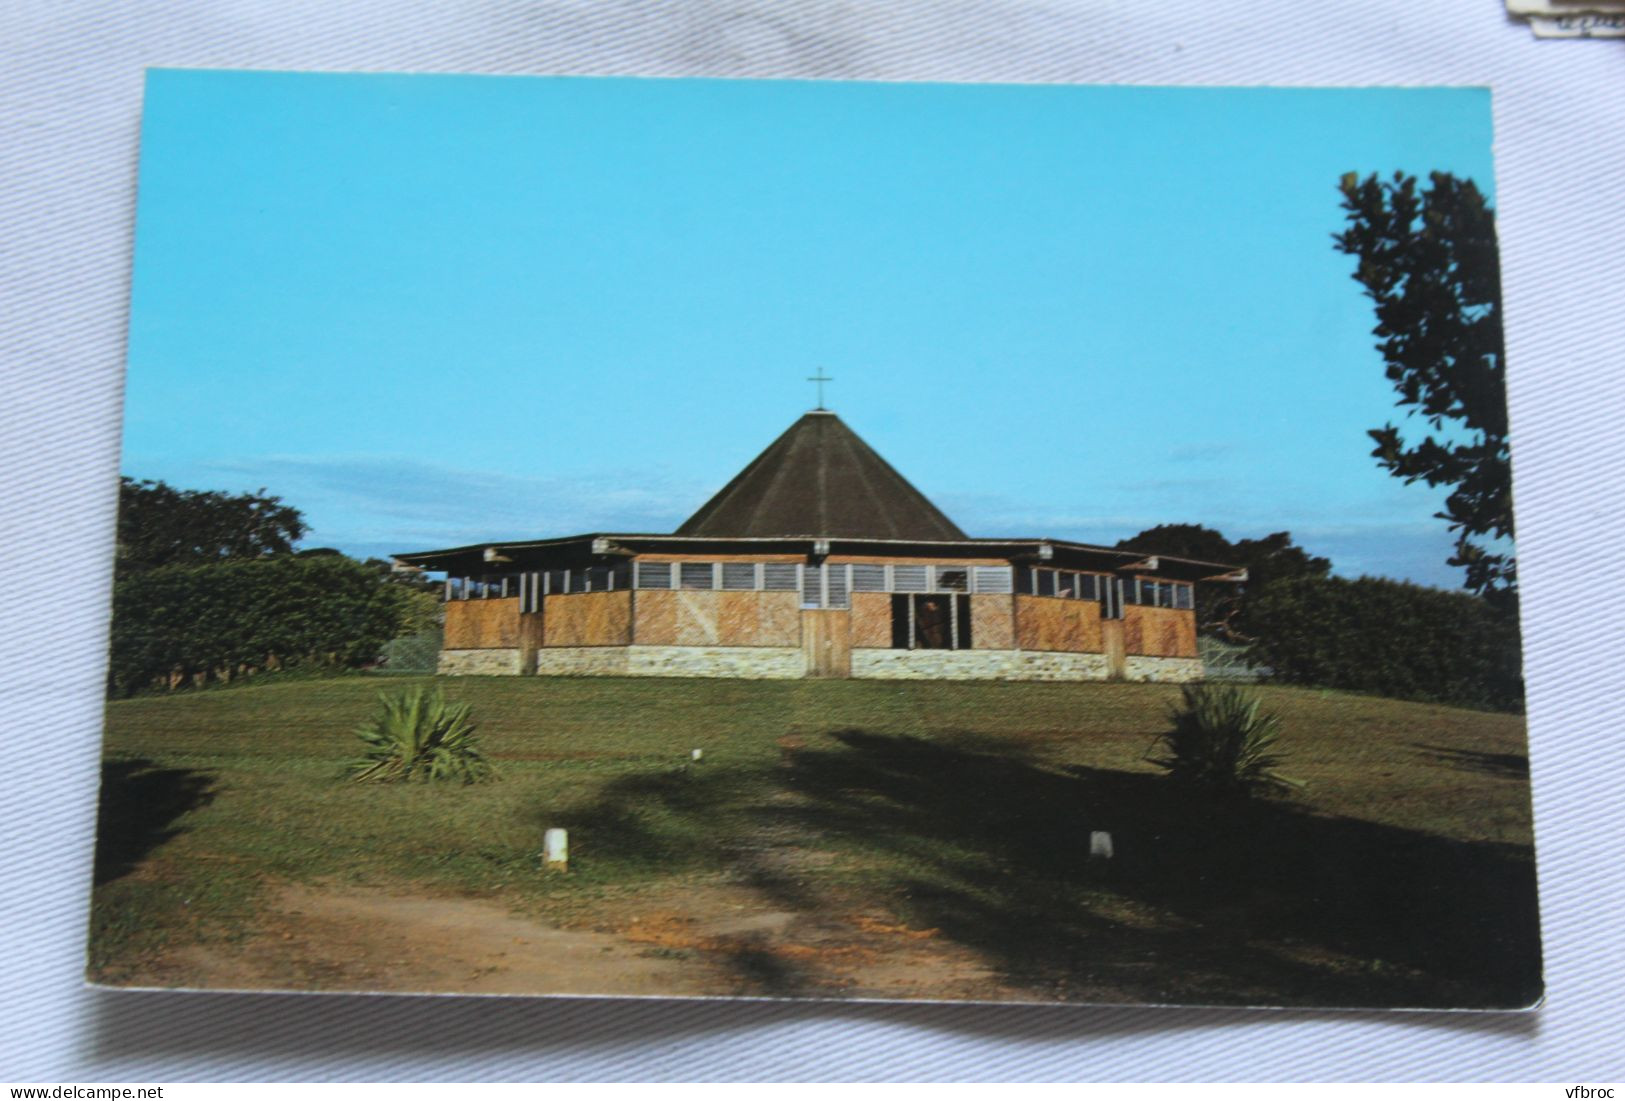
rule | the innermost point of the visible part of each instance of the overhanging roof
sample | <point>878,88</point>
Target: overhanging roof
<point>543,553</point>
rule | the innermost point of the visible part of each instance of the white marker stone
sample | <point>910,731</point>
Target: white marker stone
<point>1100,845</point>
<point>697,754</point>
<point>556,851</point>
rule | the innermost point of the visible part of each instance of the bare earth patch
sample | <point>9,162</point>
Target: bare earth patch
<point>716,939</point>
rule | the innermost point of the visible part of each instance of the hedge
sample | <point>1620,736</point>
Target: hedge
<point>188,624</point>
<point>1389,638</point>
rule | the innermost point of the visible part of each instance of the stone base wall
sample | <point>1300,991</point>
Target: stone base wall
<point>581,661</point>
<point>789,662</point>
<point>744,662</point>
<point>1166,670</point>
<point>976,665</point>
<point>465,663</point>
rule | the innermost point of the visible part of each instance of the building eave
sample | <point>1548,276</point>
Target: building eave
<point>480,557</point>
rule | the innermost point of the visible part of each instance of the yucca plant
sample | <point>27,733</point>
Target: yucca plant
<point>418,736</point>
<point>1221,742</point>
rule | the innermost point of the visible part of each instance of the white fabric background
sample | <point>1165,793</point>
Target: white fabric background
<point>70,100</point>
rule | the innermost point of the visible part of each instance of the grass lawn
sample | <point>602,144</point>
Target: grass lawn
<point>939,823</point>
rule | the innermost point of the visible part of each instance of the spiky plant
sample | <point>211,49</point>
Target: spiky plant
<point>418,736</point>
<point>1221,742</point>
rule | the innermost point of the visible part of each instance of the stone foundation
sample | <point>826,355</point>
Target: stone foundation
<point>1165,670</point>
<point>789,662</point>
<point>744,662</point>
<point>464,663</point>
<point>976,665</point>
<point>581,661</point>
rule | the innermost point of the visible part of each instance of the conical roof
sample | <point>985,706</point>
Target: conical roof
<point>820,479</point>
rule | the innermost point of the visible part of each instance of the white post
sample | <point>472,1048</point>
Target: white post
<point>556,851</point>
<point>1100,845</point>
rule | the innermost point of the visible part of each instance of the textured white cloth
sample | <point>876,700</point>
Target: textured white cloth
<point>70,92</point>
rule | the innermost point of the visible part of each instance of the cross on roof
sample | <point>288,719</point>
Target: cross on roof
<point>820,378</point>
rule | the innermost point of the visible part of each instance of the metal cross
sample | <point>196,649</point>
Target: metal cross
<point>820,378</point>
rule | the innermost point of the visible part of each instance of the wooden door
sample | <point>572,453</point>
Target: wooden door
<point>826,639</point>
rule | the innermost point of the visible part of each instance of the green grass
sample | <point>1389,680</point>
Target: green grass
<point>1401,875</point>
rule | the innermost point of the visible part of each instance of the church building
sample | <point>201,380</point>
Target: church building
<point>818,560</point>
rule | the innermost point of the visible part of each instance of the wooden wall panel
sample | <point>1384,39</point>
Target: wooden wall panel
<point>992,622</point>
<point>656,621</point>
<point>1048,623</point>
<point>778,618</point>
<point>587,619</point>
<point>1159,632</point>
<point>697,612</point>
<point>696,617</point>
<point>871,620</point>
<point>482,624</point>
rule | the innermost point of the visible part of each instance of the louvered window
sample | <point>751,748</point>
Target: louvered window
<point>991,579</point>
<point>910,579</point>
<point>654,575</point>
<point>739,575</point>
<point>868,579</point>
<point>697,575</point>
<point>812,586</point>
<point>951,579</point>
<point>779,576</point>
<point>837,586</point>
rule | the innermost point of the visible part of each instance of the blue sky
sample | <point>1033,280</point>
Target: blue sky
<point>434,310</point>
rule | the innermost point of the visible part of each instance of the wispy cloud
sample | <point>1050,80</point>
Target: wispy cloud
<point>370,503</point>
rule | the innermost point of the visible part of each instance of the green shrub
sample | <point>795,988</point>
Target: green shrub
<point>177,624</point>
<point>1388,638</point>
<point>418,736</point>
<point>1222,743</point>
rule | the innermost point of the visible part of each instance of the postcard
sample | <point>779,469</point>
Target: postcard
<point>831,540</point>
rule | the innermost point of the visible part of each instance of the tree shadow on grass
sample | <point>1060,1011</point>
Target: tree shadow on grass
<point>138,808</point>
<point>1511,766</point>
<point>1251,903</point>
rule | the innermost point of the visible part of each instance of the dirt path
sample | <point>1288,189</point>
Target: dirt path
<point>713,939</point>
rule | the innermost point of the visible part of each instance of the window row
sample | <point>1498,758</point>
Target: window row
<point>1073,585</point>
<point>824,586</point>
<point>531,587</point>
<point>827,585</point>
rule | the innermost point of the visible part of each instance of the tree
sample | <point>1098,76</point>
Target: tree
<point>1221,606</point>
<point>1428,261</point>
<point>159,525</point>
